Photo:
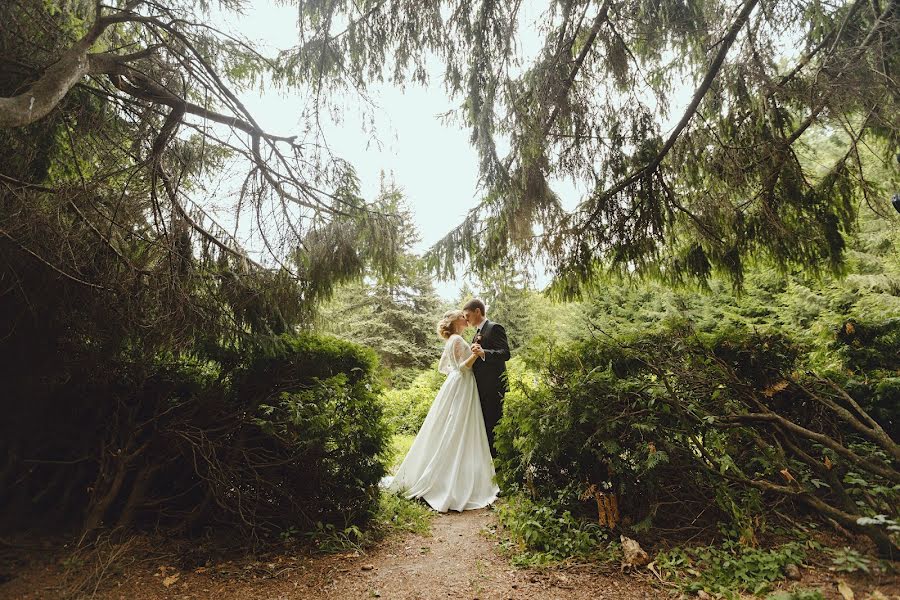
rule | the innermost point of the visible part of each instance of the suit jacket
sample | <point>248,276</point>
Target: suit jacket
<point>490,373</point>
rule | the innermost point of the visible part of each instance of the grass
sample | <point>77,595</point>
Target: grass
<point>394,515</point>
<point>400,444</point>
<point>399,515</point>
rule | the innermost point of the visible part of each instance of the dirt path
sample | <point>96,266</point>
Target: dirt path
<point>459,561</point>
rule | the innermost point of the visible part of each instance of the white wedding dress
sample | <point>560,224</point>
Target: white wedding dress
<point>449,463</point>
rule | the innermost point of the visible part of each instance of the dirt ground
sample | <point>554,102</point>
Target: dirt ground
<point>458,560</point>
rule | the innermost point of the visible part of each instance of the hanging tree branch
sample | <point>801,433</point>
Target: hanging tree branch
<point>710,76</point>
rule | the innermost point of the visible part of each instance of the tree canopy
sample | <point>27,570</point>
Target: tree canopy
<point>121,131</point>
<point>672,191</point>
<point>681,119</point>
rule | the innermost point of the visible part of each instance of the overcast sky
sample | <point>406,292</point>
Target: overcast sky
<point>430,161</point>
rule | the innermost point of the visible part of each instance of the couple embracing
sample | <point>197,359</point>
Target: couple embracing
<point>449,464</point>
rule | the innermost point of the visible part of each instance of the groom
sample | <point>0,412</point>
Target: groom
<point>492,348</point>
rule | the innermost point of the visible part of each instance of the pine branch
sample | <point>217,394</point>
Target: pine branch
<point>711,73</point>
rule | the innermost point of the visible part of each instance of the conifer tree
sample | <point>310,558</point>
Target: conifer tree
<point>677,188</point>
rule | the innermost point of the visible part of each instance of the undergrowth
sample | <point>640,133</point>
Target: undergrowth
<point>544,533</point>
<point>730,568</point>
<point>394,515</point>
<point>540,533</point>
<point>799,594</point>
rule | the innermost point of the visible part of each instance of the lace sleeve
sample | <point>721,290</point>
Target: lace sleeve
<point>455,354</point>
<point>461,351</point>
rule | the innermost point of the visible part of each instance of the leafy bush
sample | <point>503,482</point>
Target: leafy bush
<point>538,533</point>
<point>314,402</point>
<point>869,346</point>
<point>405,408</point>
<point>729,569</point>
<point>694,430</point>
<point>400,445</point>
<point>289,436</point>
<point>870,351</point>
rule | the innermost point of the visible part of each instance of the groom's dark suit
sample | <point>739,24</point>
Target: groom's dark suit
<point>490,375</point>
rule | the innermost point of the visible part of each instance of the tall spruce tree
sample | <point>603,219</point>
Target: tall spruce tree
<point>395,314</point>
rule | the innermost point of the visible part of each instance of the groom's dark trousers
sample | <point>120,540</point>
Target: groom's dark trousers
<point>490,376</point>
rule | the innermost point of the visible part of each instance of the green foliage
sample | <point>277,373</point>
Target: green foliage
<point>730,569</point>
<point>595,103</point>
<point>328,538</point>
<point>526,314</point>
<point>287,438</point>
<point>394,515</point>
<point>393,313</point>
<point>318,401</point>
<point>400,445</point>
<point>397,514</point>
<point>540,533</point>
<point>806,309</point>
<point>868,345</point>
<point>405,408</point>
<point>630,406</point>
<point>146,372</point>
<point>798,594</point>
<point>848,560</point>
<point>657,417</point>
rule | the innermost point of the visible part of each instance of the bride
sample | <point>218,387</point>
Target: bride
<point>449,463</point>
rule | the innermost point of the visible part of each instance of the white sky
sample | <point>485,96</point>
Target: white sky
<point>430,161</point>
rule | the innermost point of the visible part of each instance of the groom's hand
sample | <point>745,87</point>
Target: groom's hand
<point>477,349</point>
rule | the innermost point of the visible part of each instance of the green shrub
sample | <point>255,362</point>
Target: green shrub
<point>539,533</point>
<point>659,418</point>
<point>281,437</point>
<point>405,408</point>
<point>317,407</point>
<point>871,354</point>
<point>870,346</point>
<point>400,445</point>
<point>730,569</point>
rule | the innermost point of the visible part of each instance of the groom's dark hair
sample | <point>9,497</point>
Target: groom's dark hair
<point>473,304</point>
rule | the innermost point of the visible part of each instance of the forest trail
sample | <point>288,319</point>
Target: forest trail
<point>459,559</point>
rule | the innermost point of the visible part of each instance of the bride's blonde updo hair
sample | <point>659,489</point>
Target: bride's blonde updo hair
<point>445,325</point>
